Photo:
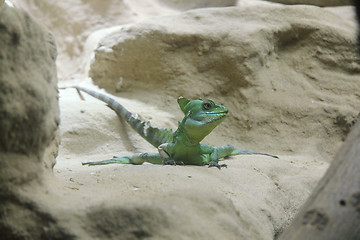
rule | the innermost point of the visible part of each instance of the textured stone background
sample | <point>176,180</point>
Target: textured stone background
<point>288,74</point>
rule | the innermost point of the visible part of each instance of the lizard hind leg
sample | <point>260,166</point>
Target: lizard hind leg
<point>119,160</point>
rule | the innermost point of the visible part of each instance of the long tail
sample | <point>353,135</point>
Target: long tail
<point>229,150</point>
<point>154,136</point>
<point>238,151</point>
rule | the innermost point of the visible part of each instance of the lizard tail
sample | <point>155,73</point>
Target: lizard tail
<point>154,136</point>
<point>117,107</point>
<point>238,151</point>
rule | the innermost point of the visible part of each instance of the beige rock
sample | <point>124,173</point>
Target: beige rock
<point>265,62</point>
<point>29,116</point>
<point>254,59</point>
<point>72,22</point>
<point>6,2</point>
<point>320,3</point>
<point>277,73</point>
<point>190,4</point>
<point>29,107</point>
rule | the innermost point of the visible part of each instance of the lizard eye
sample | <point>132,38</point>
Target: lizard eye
<point>206,106</point>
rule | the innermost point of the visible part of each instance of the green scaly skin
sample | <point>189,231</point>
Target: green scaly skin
<point>183,146</point>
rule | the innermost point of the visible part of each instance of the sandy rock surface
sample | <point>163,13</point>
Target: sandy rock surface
<point>74,21</point>
<point>274,75</point>
<point>287,74</point>
<point>29,108</point>
<point>320,3</point>
<point>29,117</point>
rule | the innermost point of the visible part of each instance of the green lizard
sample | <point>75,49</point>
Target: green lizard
<point>182,146</point>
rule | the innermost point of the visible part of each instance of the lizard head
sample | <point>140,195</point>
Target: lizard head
<point>201,116</point>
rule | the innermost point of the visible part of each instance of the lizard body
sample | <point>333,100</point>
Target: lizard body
<point>181,146</point>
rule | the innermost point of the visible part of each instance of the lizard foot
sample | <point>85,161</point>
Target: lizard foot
<point>173,162</point>
<point>215,164</point>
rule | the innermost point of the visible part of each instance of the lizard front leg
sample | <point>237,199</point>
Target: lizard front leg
<point>165,152</point>
<point>211,156</point>
<point>135,159</point>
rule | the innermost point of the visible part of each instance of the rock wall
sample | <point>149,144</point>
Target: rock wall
<point>287,73</point>
<point>321,3</point>
<point>29,117</point>
<point>189,4</point>
<point>29,112</point>
<point>72,22</point>
<point>277,73</point>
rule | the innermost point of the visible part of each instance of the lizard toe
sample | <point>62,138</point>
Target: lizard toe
<point>173,162</point>
<point>169,162</point>
<point>215,164</point>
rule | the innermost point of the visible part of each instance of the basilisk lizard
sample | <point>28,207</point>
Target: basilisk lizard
<point>181,147</point>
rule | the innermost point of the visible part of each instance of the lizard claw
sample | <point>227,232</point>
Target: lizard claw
<point>215,164</point>
<point>173,162</point>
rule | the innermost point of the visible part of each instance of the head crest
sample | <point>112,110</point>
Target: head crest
<point>182,103</point>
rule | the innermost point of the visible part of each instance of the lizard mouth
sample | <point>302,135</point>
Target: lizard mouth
<point>217,113</point>
<point>219,116</point>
